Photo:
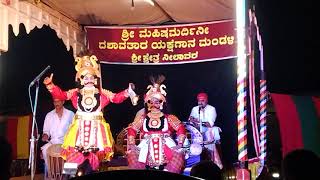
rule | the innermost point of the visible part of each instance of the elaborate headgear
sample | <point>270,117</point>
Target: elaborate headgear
<point>156,90</point>
<point>87,65</point>
<point>202,96</point>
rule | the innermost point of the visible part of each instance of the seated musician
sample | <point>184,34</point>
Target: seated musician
<point>205,115</point>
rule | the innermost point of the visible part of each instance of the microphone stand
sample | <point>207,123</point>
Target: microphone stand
<point>33,139</point>
<point>34,110</point>
<point>201,128</point>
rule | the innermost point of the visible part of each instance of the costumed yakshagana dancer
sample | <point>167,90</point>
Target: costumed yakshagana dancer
<point>89,136</point>
<point>157,149</point>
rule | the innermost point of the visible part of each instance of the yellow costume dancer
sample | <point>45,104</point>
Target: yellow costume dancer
<point>89,136</point>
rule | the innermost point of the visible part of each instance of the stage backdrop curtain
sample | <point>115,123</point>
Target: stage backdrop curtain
<point>299,121</point>
<point>17,130</point>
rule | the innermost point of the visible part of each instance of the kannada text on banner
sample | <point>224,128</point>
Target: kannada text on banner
<point>163,44</point>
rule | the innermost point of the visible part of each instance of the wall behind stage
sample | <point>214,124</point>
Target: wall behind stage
<point>30,53</point>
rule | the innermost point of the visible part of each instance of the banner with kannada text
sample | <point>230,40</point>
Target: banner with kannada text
<point>167,44</point>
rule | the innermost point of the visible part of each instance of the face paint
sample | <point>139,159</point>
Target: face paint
<point>154,103</point>
<point>88,80</point>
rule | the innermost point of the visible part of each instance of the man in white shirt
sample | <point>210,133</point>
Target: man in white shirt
<point>206,115</point>
<point>203,116</point>
<point>56,124</point>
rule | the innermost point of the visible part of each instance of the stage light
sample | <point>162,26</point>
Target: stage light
<point>231,177</point>
<point>275,175</point>
<point>79,173</point>
<point>147,1</point>
<point>70,168</point>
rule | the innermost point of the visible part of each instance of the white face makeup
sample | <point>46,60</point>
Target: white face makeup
<point>88,80</point>
<point>154,104</point>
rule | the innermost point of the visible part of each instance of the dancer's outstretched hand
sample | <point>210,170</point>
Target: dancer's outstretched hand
<point>48,80</point>
<point>131,87</point>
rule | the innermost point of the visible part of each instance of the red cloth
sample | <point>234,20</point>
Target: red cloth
<point>290,129</point>
<point>58,93</point>
<point>131,132</point>
<point>202,96</point>
<point>168,152</point>
<point>181,130</point>
<point>77,157</point>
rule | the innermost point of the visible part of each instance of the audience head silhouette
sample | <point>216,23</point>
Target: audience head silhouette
<point>206,170</point>
<point>5,158</point>
<point>300,164</point>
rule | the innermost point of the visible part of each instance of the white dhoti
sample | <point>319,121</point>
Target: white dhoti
<point>44,152</point>
<point>45,158</point>
<point>213,134</point>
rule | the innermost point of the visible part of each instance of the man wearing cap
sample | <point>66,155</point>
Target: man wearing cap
<point>55,126</point>
<point>203,116</point>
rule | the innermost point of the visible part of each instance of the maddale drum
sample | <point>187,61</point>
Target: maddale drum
<point>55,162</point>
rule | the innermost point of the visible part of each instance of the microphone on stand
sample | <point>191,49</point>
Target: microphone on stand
<point>32,164</point>
<point>200,107</point>
<point>200,120</point>
<point>39,76</point>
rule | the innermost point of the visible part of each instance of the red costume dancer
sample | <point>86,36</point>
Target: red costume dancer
<point>89,136</point>
<point>157,148</point>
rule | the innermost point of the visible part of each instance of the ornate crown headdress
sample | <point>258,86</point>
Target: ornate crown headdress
<point>87,65</point>
<point>156,90</point>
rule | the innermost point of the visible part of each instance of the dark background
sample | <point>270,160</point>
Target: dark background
<point>288,39</point>
<point>287,29</point>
